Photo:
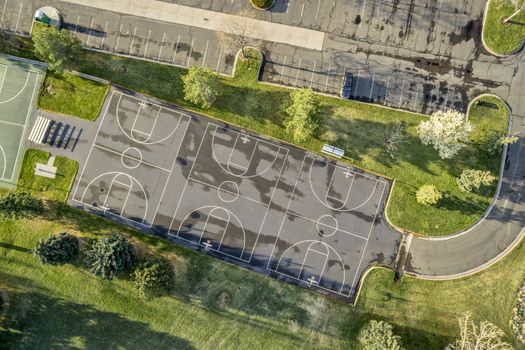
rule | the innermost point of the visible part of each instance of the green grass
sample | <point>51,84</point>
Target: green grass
<point>56,189</point>
<point>67,307</point>
<point>72,95</point>
<point>357,127</point>
<point>504,38</point>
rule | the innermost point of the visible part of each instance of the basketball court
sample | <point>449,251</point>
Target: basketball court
<point>253,201</point>
<point>20,81</point>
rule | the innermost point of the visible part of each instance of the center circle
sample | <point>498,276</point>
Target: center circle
<point>131,158</point>
<point>228,191</point>
<point>327,225</point>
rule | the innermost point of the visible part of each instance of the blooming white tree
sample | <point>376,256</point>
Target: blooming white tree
<point>447,131</point>
<point>486,336</point>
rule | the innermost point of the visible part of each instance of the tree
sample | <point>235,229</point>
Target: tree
<point>153,277</point>
<point>446,131</point>
<point>110,256</point>
<point>201,86</point>
<point>428,195</point>
<point>394,136</point>
<point>379,335</point>
<point>58,249</point>
<point>494,143</point>
<point>472,179</point>
<point>236,35</point>
<point>486,336</point>
<point>303,110</point>
<point>20,204</point>
<point>59,48</point>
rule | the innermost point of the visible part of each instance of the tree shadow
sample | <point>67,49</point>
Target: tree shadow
<point>454,203</point>
<point>14,247</point>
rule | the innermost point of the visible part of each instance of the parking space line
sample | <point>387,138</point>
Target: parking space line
<point>386,90</point>
<point>190,52</point>
<point>118,37</point>
<point>312,78</point>
<point>3,12</point>
<point>147,43</point>
<point>90,30</point>
<point>402,90</point>
<point>104,36</point>
<point>282,70</point>
<point>302,11</point>
<point>18,19</point>
<point>327,77</point>
<point>205,52</point>
<point>357,83</point>
<point>298,69</point>
<point>132,40</point>
<point>417,93</point>
<point>372,86</point>
<point>318,7</point>
<point>219,59</point>
<point>362,14</point>
<point>162,45</point>
<point>76,25</point>
<point>175,50</point>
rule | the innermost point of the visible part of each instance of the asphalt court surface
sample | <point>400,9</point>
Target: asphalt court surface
<point>237,196</point>
<point>19,85</point>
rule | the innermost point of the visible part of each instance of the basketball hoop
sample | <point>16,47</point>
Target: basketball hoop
<point>207,245</point>
<point>311,282</point>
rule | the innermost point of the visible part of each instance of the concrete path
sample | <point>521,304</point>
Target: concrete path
<point>211,20</point>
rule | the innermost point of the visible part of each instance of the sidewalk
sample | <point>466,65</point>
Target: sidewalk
<point>211,20</point>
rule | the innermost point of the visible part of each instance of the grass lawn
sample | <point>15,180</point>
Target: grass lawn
<point>504,38</point>
<point>220,306</point>
<point>72,95</point>
<point>55,189</point>
<point>356,127</point>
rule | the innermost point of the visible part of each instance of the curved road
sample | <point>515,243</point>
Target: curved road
<point>493,237</point>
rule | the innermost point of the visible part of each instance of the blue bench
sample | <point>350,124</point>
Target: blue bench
<point>333,151</point>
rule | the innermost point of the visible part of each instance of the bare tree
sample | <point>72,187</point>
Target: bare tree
<point>519,5</point>
<point>486,336</point>
<point>394,136</point>
<point>239,33</point>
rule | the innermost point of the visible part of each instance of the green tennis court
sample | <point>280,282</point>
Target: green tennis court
<point>20,81</point>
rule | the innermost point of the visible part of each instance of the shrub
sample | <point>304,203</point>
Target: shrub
<point>153,277</point>
<point>20,204</point>
<point>428,195</point>
<point>57,250</point>
<point>110,256</point>
<point>262,4</point>
<point>472,179</point>
<point>379,335</point>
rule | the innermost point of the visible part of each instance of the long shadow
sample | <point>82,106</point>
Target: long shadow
<point>14,247</point>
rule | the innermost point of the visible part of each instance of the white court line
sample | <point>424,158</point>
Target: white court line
<point>2,18</point>
<point>313,72</point>
<point>190,52</point>
<point>130,157</point>
<point>18,19</point>
<point>175,49</point>
<point>217,251</point>
<point>76,25</point>
<point>142,132</point>
<point>298,69</point>
<point>368,238</point>
<point>372,87</point>
<point>161,45</point>
<point>326,197</point>
<point>238,165</point>
<point>104,36</point>
<point>25,125</point>
<point>357,83</point>
<point>3,79</point>
<point>90,31</point>
<point>132,40</point>
<point>205,52</point>
<point>329,226</point>
<point>5,162</point>
<point>118,38</point>
<point>147,43</point>
<point>282,70</point>
<point>327,77</point>
<point>219,59</point>
<point>20,91</point>
<point>402,90</point>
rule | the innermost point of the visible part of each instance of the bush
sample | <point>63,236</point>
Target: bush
<point>472,179</point>
<point>379,335</point>
<point>57,250</point>
<point>20,204</point>
<point>110,256</point>
<point>153,277</point>
<point>262,4</point>
<point>428,195</point>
